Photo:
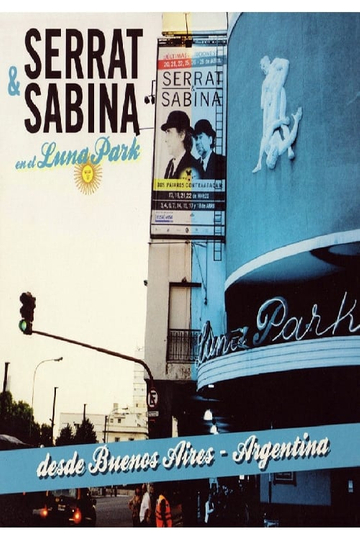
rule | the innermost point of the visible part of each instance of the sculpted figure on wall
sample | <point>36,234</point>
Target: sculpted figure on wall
<point>277,136</point>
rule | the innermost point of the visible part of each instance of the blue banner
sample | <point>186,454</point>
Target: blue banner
<point>182,458</point>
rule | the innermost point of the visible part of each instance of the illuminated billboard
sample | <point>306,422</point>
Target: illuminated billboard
<point>189,171</point>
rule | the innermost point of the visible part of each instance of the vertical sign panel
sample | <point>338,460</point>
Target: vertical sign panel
<point>188,192</point>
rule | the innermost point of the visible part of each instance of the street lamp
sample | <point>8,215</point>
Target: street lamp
<point>39,364</point>
<point>104,439</point>
<point>3,398</point>
<point>53,416</point>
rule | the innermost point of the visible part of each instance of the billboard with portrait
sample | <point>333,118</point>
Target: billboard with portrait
<point>189,173</point>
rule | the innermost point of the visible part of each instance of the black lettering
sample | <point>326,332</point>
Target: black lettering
<point>166,78</point>
<point>91,126</point>
<point>117,56</point>
<point>127,116</point>
<point>73,54</point>
<point>197,78</point>
<point>51,53</point>
<point>32,127</point>
<point>73,107</point>
<point>187,78</point>
<point>96,54</point>
<point>110,107</point>
<point>165,99</point>
<point>30,34</point>
<point>52,111</point>
<point>177,78</point>
<point>134,33</point>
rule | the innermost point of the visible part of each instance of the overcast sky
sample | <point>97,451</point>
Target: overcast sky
<point>84,256</point>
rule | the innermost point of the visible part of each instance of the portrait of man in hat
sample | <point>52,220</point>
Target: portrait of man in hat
<point>178,138</point>
<point>213,165</point>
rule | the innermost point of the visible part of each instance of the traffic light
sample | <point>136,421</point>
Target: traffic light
<point>27,312</point>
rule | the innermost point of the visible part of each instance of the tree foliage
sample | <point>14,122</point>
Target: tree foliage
<point>17,420</point>
<point>66,436</point>
<point>84,434</point>
<point>45,435</point>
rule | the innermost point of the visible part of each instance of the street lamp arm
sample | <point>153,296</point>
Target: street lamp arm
<point>102,350</point>
<point>39,364</point>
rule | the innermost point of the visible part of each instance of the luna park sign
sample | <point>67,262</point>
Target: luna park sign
<point>275,325</point>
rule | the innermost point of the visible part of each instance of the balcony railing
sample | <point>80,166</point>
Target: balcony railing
<point>182,346</point>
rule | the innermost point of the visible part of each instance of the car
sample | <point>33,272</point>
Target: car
<point>66,507</point>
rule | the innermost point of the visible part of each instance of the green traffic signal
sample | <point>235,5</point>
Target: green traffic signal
<point>25,327</point>
<point>27,312</point>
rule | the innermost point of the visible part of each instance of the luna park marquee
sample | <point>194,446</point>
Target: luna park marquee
<point>241,351</point>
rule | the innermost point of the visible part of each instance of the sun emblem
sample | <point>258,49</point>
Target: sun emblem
<point>87,177</point>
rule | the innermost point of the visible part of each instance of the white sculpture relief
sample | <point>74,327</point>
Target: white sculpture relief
<point>277,136</point>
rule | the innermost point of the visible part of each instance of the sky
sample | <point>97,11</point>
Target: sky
<point>83,256</point>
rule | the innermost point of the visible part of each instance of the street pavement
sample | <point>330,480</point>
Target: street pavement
<point>113,511</point>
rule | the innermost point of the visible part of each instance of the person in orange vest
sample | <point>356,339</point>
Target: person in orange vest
<point>163,512</point>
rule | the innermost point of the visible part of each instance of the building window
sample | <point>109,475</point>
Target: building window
<point>182,338</point>
<point>182,346</point>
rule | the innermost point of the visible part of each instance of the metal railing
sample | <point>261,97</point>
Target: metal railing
<point>182,346</point>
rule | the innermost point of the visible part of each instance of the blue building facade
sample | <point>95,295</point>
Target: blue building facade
<point>314,195</point>
<point>292,248</point>
<point>275,301</point>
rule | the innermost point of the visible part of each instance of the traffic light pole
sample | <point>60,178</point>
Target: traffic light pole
<point>102,350</point>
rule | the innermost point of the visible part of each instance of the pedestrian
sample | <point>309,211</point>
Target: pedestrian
<point>152,505</point>
<point>134,506</point>
<point>209,511</point>
<point>163,511</point>
<point>145,508</point>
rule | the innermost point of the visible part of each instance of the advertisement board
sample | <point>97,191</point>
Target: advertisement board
<point>181,458</point>
<point>92,151</point>
<point>188,197</point>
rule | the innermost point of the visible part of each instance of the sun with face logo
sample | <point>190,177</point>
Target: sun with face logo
<point>87,177</point>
